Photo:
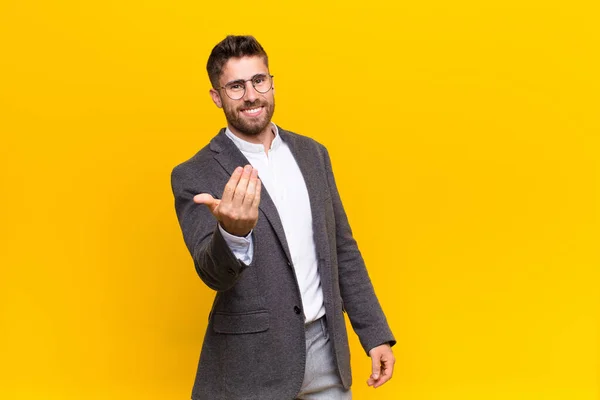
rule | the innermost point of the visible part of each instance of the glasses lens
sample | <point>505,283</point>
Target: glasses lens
<point>235,90</point>
<point>262,83</point>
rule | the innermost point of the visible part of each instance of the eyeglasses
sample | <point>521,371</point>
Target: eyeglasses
<point>235,90</point>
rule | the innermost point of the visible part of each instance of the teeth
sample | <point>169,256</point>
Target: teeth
<point>252,110</point>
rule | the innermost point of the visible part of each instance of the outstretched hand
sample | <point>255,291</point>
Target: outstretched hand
<point>237,210</point>
<point>383,360</point>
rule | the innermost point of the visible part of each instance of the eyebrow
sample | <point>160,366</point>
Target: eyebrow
<point>244,80</point>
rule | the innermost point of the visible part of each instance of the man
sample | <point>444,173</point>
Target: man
<point>281,257</point>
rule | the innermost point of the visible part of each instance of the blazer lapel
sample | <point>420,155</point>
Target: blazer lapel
<point>309,163</point>
<point>230,157</point>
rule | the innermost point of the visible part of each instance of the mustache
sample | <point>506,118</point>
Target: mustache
<point>251,104</point>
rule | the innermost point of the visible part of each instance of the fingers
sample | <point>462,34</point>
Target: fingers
<point>375,367</point>
<point>232,184</point>
<point>237,211</point>
<point>250,194</point>
<point>208,200</point>
<point>203,198</point>
<point>236,189</point>
<point>256,201</point>
<point>386,374</point>
<point>383,361</point>
<point>244,192</point>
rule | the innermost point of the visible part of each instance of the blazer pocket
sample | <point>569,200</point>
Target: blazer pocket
<point>237,324</point>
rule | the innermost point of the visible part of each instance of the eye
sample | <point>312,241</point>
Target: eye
<point>235,86</point>
<point>258,79</point>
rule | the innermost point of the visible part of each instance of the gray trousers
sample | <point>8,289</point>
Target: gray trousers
<point>321,379</point>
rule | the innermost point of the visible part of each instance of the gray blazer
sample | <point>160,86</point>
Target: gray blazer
<point>254,346</point>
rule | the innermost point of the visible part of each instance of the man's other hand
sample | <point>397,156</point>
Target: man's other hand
<point>382,359</point>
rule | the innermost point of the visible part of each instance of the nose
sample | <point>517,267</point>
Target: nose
<point>251,93</point>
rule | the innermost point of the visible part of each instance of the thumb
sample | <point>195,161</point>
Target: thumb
<point>376,361</point>
<point>207,200</point>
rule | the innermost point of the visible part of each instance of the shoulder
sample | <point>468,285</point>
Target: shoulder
<point>200,164</point>
<point>304,141</point>
<point>200,160</point>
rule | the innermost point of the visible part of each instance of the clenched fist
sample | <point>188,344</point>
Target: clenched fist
<point>237,211</point>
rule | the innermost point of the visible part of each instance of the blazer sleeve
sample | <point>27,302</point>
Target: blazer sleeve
<point>214,261</point>
<point>358,296</point>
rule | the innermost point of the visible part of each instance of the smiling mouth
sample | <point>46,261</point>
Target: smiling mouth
<point>252,111</point>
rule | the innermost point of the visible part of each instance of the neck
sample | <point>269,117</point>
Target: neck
<point>265,137</point>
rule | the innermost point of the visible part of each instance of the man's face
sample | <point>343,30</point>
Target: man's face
<point>250,115</point>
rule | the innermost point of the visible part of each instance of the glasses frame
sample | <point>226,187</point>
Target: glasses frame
<point>244,82</point>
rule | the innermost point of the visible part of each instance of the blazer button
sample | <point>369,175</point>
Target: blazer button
<point>289,264</point>
<point>297,310</point>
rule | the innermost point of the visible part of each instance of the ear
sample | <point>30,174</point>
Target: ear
<point>216,98</point>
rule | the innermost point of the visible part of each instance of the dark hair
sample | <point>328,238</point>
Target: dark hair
<point>232,47</point>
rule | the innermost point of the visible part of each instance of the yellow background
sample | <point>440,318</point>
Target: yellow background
<point>465,140</point>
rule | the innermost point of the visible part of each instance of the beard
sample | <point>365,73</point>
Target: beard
<point>247,125</point>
